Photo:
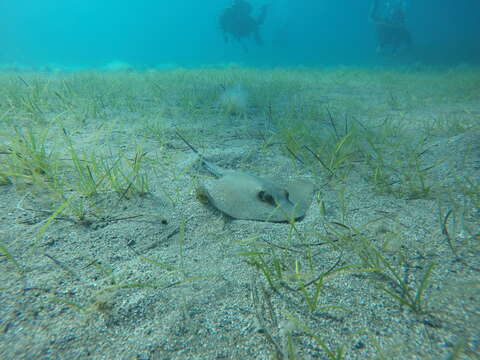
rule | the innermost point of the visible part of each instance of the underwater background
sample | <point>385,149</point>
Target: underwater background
<point>152,33</point>
<point>261,179</point>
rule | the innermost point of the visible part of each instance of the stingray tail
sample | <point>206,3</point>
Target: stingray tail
<point>186,142</point>
<point>215,170</point>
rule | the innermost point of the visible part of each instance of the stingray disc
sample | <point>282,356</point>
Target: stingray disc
<point>245,196</point>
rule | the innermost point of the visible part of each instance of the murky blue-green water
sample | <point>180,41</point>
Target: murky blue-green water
<point>165,33</point>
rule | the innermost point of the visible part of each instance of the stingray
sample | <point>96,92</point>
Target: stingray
<point>245,196</point>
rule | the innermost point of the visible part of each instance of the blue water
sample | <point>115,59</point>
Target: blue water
<point>147,33</point>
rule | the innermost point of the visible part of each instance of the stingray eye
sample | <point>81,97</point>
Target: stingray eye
<point>266,197</point>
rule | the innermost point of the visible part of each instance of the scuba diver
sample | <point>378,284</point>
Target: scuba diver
<point>237,21</point>
<point>392,34</point>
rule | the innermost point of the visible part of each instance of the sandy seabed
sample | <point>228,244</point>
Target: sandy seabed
<point>107,251</point>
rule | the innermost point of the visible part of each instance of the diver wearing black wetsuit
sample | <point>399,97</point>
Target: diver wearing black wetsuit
<point>392,33</point>
<point>237,21</point>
